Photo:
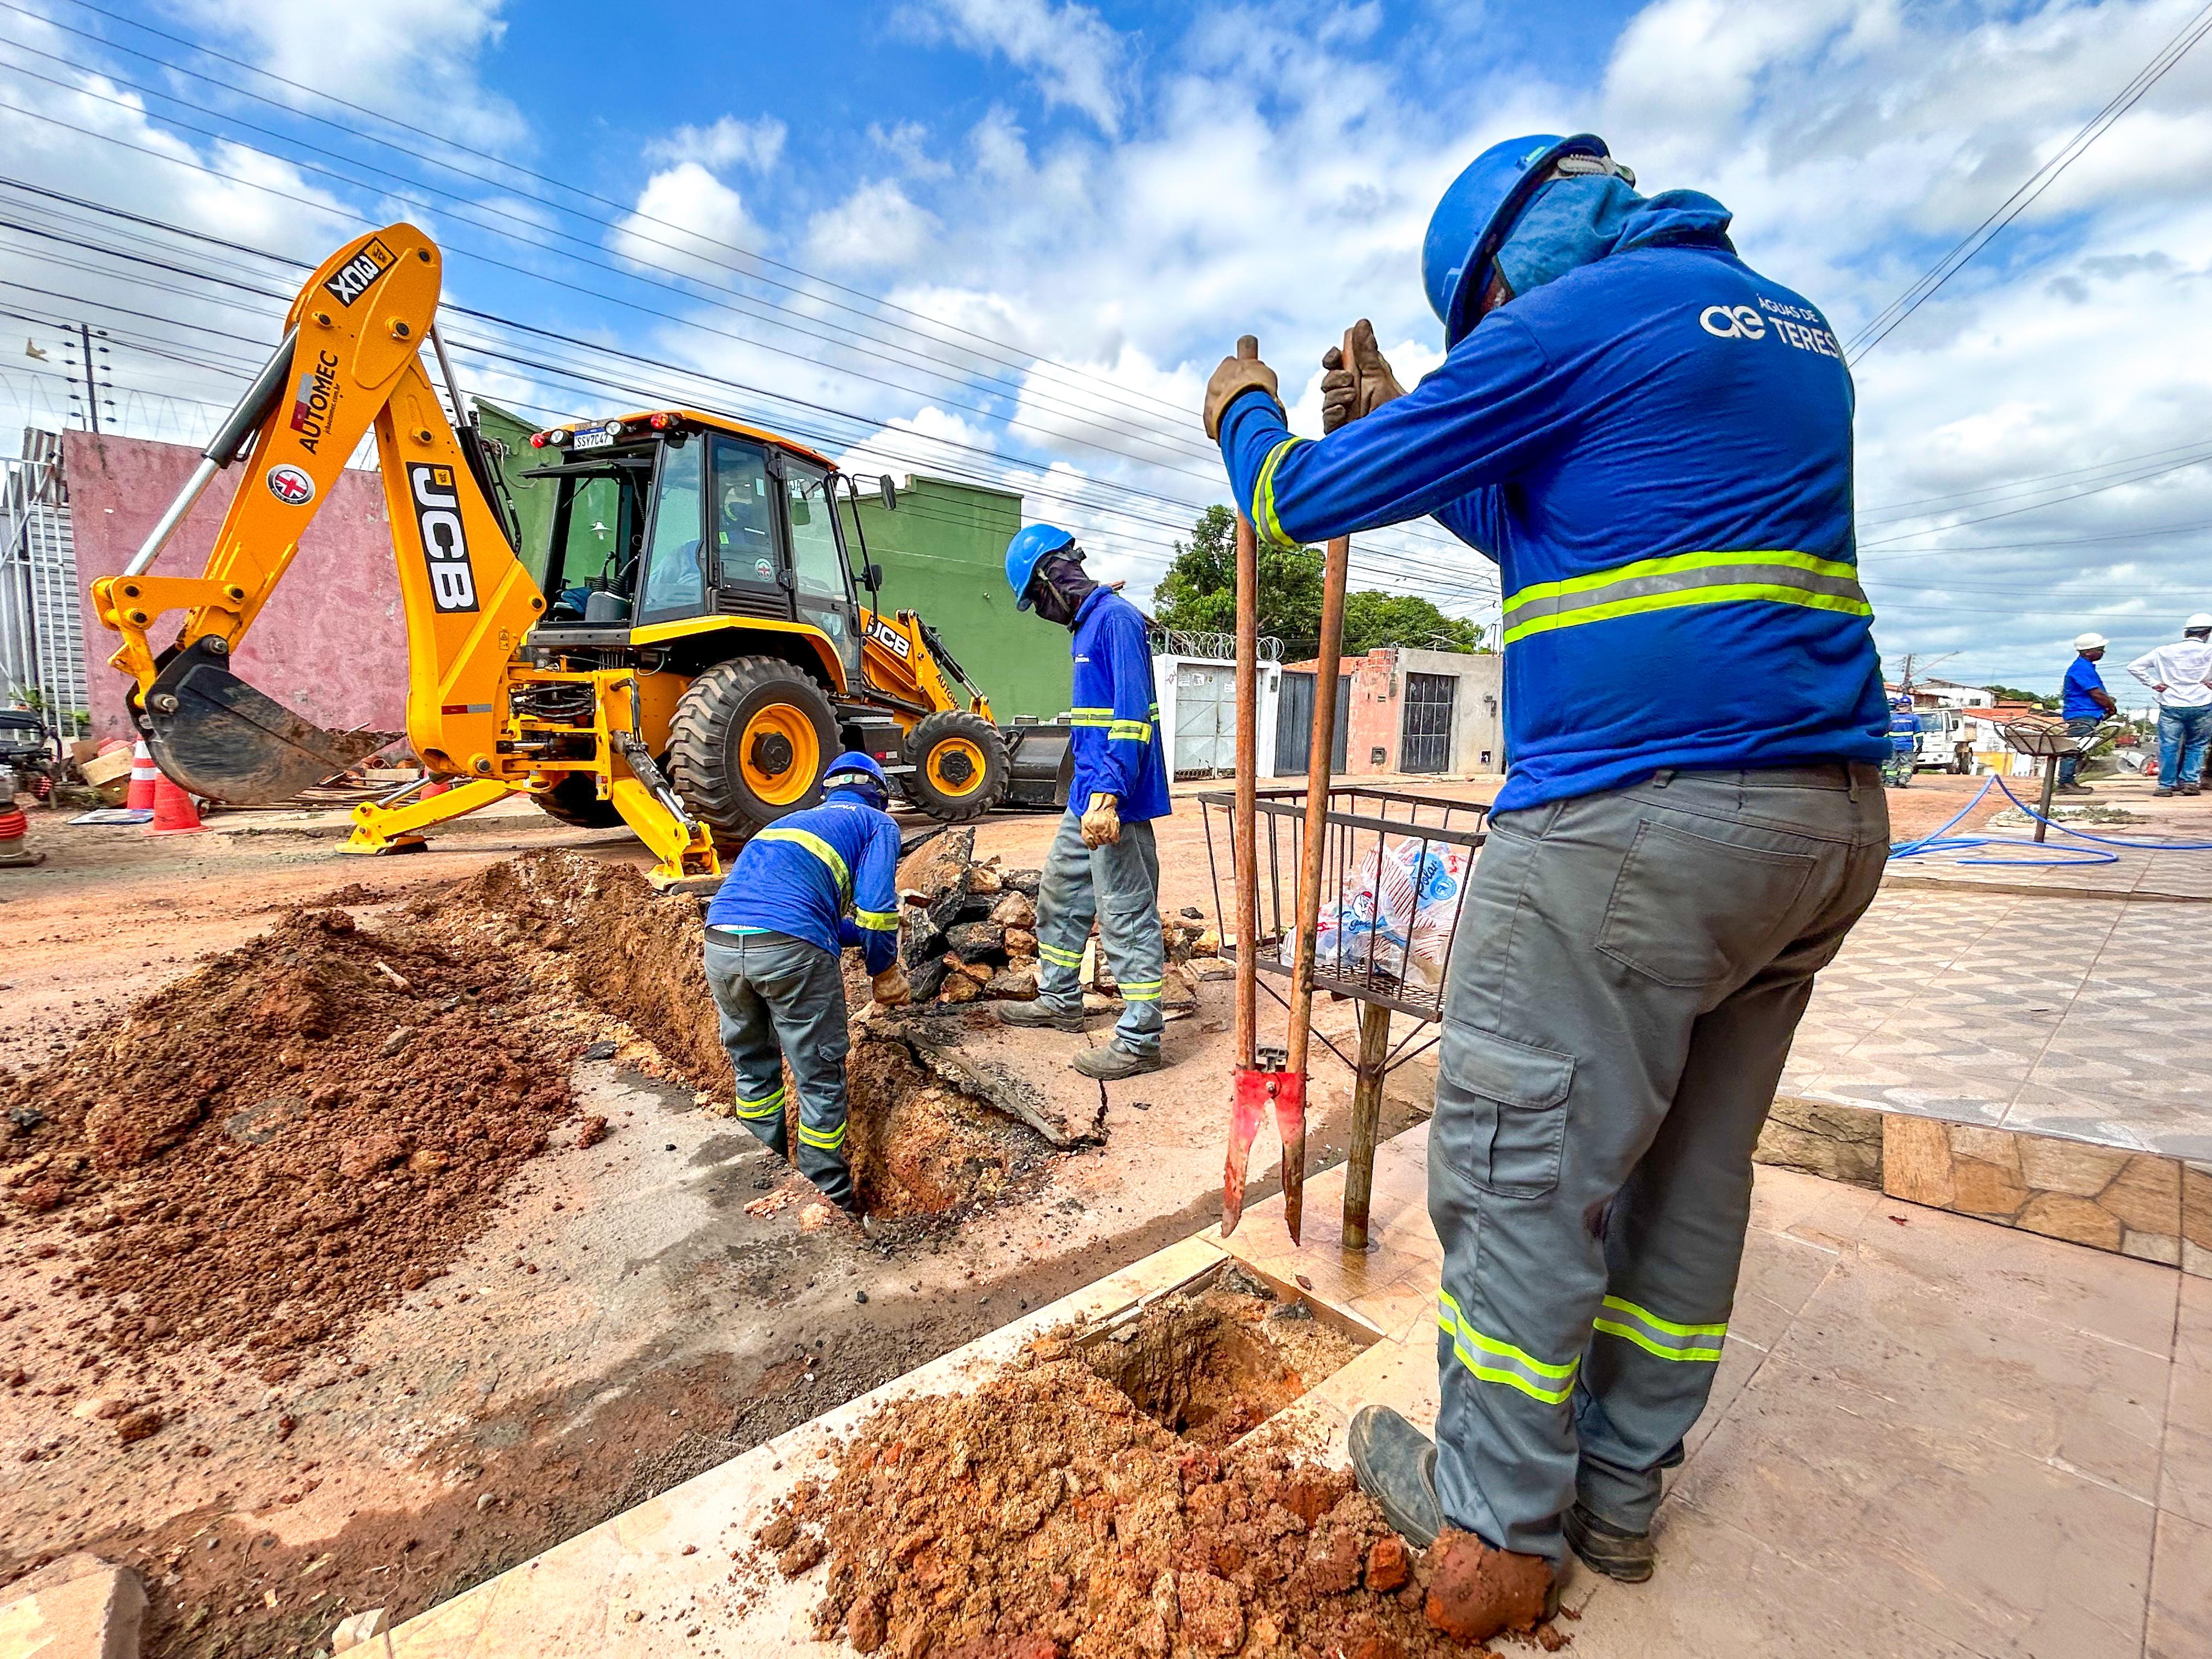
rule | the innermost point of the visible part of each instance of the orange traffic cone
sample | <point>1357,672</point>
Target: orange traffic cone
<point>143,772</point>
<point>174,814</point>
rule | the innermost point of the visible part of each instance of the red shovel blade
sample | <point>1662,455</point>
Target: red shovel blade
<point>1290,1126</point>
<point>1249,1095</point>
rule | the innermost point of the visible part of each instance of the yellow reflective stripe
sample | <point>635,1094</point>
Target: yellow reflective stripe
<point>1673,564</point>
<point>1662,1337</point>
<point>1263,495</point>
<point>1131,731</point>
<point>1494,1361</point>
<point>1718,595</point>
<point>766,1106</point>
<point>820,1142</point>
<point>821,849</point>
<point>880,921</point>
<point>1065,959</point>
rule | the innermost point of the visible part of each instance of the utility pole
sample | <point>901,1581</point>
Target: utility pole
<point>95,380</point>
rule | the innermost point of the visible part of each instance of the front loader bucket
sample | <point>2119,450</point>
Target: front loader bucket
<point>216,735</point>
<point>1039,765</point>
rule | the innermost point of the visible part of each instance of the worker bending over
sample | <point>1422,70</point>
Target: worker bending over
<point>1654,442</point>
<point>774,935</point>
<point>1104,863</point>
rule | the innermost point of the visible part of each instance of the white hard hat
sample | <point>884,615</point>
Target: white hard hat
<point>2090,642</point>
<point>2202,619</point>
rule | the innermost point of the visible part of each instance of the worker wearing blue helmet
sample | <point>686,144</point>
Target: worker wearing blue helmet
<point>1104,864</point>
<point>1653,441</point>
<point>801,890</point>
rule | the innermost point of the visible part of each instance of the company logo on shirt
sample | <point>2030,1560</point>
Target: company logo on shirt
<point>1794,326</point>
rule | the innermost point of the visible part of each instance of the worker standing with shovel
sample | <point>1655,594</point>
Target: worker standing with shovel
<point>1104,864</point>
<point>1654,441</point>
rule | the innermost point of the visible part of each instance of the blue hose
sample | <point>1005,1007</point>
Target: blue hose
<point>1940,840</point>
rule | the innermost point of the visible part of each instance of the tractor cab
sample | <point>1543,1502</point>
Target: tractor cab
<point>668,524</point>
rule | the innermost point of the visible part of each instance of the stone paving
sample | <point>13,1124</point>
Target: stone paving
<point>2089,1018</point>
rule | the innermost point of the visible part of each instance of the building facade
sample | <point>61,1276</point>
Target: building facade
<point>1402,710</point>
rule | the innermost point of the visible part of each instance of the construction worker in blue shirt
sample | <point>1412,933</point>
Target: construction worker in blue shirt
<point>775,933</point>
<point>1104,863</point>
<point>1654,442</point>
<point>2084,705</point>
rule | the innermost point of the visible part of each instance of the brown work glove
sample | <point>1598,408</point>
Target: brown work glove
<point>1102,821</point>
<point>890,987</point>
<point>1236,374</point>
<point>1360,387</point>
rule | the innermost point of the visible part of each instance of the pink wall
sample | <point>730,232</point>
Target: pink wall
<point>331,643</point>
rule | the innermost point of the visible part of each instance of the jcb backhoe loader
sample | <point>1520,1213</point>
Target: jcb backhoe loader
<point>693,681</point>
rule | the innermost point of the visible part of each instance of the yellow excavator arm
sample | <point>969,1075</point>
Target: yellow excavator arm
<point>350,362</point>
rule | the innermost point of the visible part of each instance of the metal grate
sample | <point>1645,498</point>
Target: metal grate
<point>1361,824</point>
<point>1425,746</point>
<point>41,628</point>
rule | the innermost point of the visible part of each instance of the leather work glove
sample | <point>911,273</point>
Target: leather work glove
<point>1102,821</point>
<point>890,987</point>
<point>1349,390</point>
<point>1236,375</point>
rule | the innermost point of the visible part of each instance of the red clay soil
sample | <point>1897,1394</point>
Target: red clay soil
<point>1044,1515</point>
<point>286,1140</point>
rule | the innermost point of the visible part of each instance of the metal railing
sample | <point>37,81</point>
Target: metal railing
<point>1365,827</point>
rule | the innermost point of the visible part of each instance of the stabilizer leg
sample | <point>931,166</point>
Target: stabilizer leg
<point>398,829</point>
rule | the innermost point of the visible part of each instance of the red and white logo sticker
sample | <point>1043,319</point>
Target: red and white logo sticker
<point>291,485</point>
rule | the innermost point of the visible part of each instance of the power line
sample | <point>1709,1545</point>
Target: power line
<point>1885,321</point>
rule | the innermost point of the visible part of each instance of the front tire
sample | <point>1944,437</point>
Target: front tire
<point>749,743</point>
<point>960,766</point>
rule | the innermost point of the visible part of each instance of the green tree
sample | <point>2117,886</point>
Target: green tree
<point>1199,593</point>
<point>2014,693</point>
<point>1373,620</point>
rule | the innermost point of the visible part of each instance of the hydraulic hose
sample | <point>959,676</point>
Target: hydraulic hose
<point>1941,841</point>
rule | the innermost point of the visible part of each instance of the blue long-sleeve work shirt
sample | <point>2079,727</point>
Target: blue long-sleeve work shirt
<point>1656,450</point>
<point>801,874</point>
<point>1116,741</point>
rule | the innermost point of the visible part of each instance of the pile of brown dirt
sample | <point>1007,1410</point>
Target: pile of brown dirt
<point>292,1135</point>
<point>1212,1366</point>
<point>1043,1514</point>
<point>307,1127</point>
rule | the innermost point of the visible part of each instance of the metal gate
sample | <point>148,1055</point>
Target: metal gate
<point>1425,746</point>
<point>1294,725</point>
<point>41,636</point>
<point>1204,721</point>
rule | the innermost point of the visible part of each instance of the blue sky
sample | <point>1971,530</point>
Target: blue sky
<point>1014,235</point>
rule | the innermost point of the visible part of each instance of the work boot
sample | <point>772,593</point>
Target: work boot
<point>1113,1062</point>
<point>1606,1549</point>
<point>2162,790</point>
<point>1476,1591</point>
<point>2073,789</point>
<point>2192,789</point>
<point>1395,1465</point>
<point>1031,1016</point>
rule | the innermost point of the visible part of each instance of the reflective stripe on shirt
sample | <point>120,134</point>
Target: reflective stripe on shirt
<point>1681,579</point>
<point>821,849</point>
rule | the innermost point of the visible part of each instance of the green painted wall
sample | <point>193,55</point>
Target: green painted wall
<point>943,553</point>
<point>533,497</point>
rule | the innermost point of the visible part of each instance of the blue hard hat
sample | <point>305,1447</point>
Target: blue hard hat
<point>1030,545</point>
<point>1477,214</point>
<point>854,769</point>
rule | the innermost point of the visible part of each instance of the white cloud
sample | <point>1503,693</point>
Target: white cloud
<point>686,221</point>
<point>876,227</point>
<point>1072,54</point>
<point>416,57</point>
<point>727,143</point>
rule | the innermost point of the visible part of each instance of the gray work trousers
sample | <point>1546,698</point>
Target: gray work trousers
<point>1119,886</point>
<point>1622,994</point>
<point>783,999</point>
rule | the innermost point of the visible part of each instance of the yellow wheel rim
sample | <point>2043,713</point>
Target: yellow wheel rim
<point>970,776</point>
<point>779,754</point>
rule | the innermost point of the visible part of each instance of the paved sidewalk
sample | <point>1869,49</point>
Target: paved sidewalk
<point>2088,1018</point>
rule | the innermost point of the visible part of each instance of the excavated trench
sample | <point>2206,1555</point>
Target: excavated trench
<point>1215,1359</point>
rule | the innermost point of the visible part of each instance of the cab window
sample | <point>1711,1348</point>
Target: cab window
<point>675,573</point>
<point>745,516</point>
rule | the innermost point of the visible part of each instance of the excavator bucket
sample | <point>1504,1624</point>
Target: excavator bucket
<point>216,735</point>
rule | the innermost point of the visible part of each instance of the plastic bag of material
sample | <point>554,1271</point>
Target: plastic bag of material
<point>1394,914</point>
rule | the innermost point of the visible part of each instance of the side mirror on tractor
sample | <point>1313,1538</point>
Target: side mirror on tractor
<point>871,577</point>
<point>887,493</point>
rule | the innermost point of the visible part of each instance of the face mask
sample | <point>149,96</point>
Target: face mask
<point>1060,589</point>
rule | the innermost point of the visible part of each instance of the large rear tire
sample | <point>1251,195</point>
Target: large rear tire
<point>575,800</point>
<point>749,743</point>
<point>960,766</point>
